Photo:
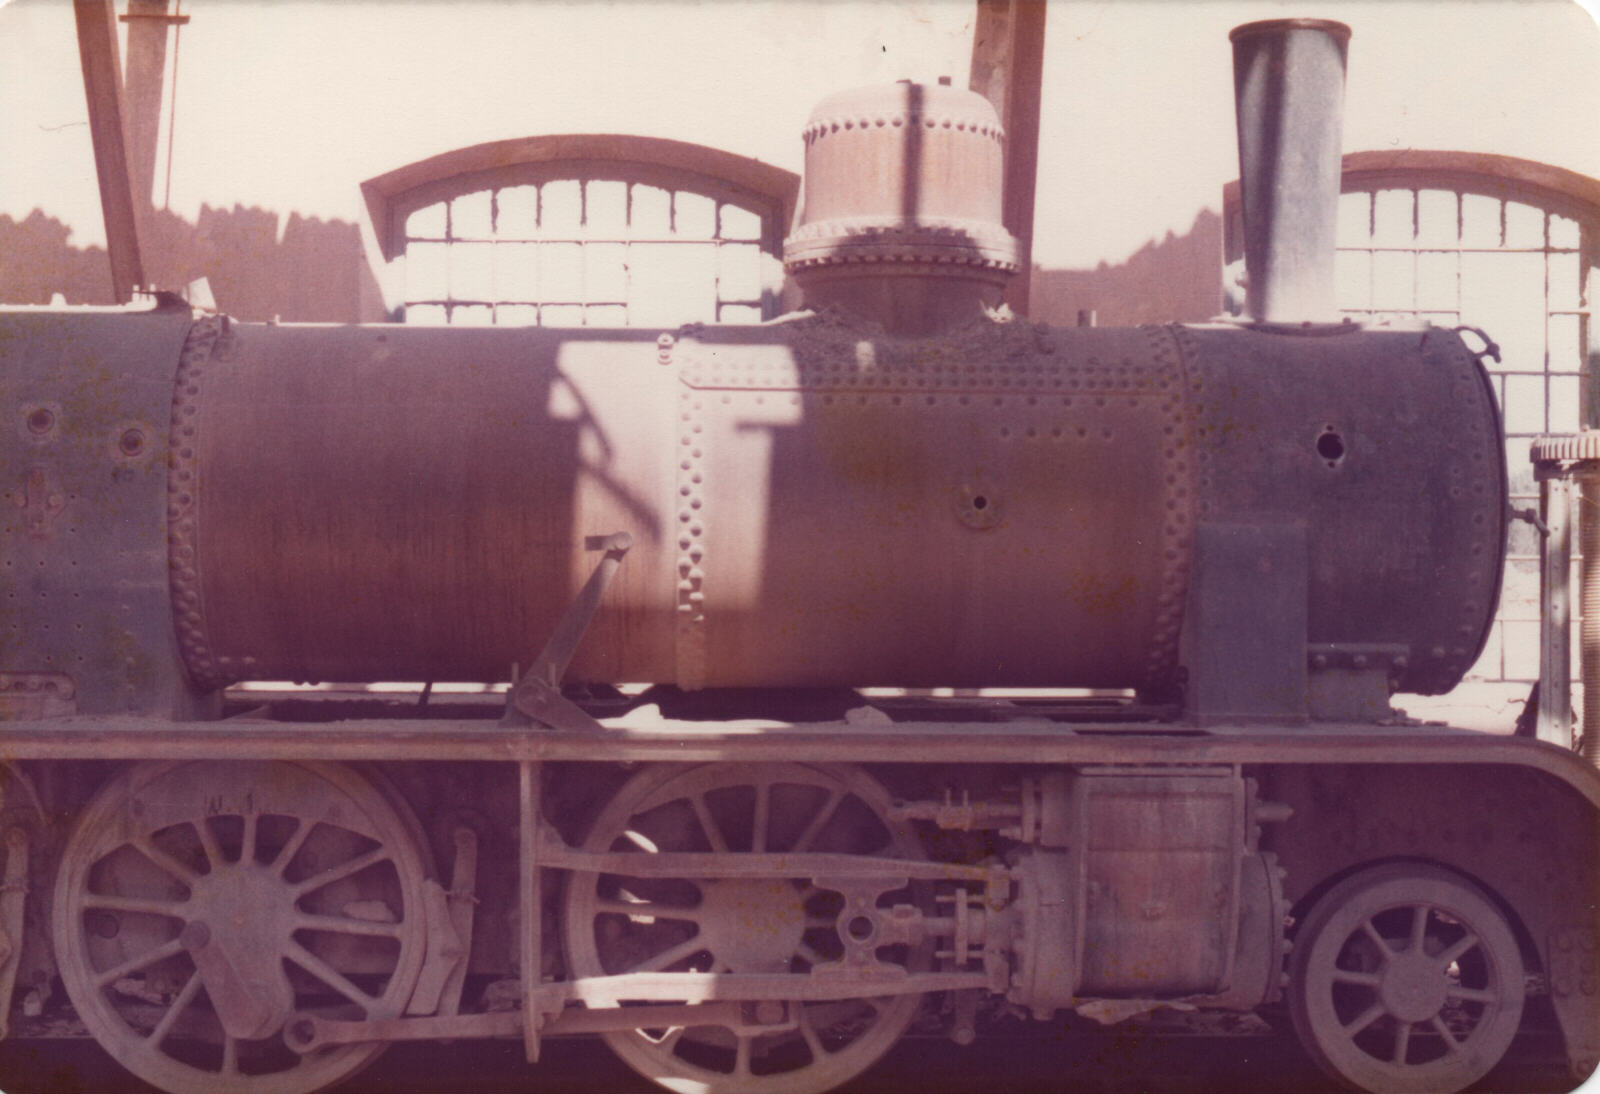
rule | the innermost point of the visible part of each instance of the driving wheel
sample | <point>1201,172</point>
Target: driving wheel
<point>616,924</point>
<point>201,904</point>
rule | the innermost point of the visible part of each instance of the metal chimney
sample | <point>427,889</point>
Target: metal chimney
<point>1288,77</point>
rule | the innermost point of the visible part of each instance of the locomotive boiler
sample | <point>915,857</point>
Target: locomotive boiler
<point>1212,552</point>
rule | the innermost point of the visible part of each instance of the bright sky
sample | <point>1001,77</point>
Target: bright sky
<point>290,105</point>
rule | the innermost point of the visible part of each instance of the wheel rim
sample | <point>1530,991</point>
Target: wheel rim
<point>199,905</point>
<point>1408,979</point>
<point>615,924</point>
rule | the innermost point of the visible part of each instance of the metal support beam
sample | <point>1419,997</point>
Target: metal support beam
<point>1554,722</point>
<point>529,900</point>
<point>1008,70</point>
<point>147,21</point>
<point>102,84</point>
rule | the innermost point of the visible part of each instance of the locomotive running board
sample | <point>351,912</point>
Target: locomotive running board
<point>1033,742</point>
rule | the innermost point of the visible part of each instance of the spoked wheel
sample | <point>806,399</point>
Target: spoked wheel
<point>617,924</point>
<point>1406,978</point>
<point>199,905</point>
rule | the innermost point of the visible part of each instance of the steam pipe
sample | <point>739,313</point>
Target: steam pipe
<point>1288,79</point>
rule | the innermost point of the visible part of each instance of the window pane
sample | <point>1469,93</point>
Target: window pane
<point>427,271</point>
<point>1436,280</point>
<point>517,215</point>
<point>516,271</point>
<point>469,216</point>
<point>471,272</point>
<point>1392,224</point>
<point>1352,274</point>
<point>561,273</point>
<point>1437,214</point>
<point>423,315</point>
<point>1563,232</point>
<point>1524,408</point>
<point>471,315</point>
<point>1565,355</point>
<point>1564,280</point>
<point>694,215</point>
<point>606,272</point>
<point>739,275</point>
<point>605,315</point>
<point>561,315</point>
<point>1564,400</point>
<point>1524,225</point>
<point>1393,280</point>
<point>560,209</point>
<point>652,211</point>
<point>1480,221</point>
<point>606,208</point>
<point>427,222</point>
<point>739,223</point>
<point>516,315</point>
<point>1355,220</point>
<point>739,313</point>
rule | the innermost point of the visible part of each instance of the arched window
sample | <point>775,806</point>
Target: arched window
<point>1504,244</point>
<point>585,230</point>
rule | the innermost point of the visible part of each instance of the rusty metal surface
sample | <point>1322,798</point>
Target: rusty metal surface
<point>1289,93</point>
<point>84,607</point>
<point>902,217</point>
<point>1403,498</point>
<point>844,509</point>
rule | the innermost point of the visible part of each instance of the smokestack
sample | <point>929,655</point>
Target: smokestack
<point>1288,77</point>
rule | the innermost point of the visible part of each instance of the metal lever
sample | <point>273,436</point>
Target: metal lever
<point>536,695</point>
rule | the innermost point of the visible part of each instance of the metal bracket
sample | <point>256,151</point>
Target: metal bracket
<point>536,696</point>
<point>13,897</point>
<point>449,918</point>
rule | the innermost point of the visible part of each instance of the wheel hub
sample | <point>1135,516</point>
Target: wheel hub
<point>1413,988</point>
<point>243,916</point>
<point>755,924</point>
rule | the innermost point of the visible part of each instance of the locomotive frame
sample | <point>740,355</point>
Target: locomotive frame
<point>750,876</point>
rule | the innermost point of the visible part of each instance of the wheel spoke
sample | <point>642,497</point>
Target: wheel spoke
<point>191,988</point>
<point>230,1055</point>
<point>813,1041</point>
<point>759,822</point>
<point>338,924</point>
<point>172,909</point>
<point>1381,942</point>
<point>1454,953</point>
<point>247,842</point>
<point>335,873</point>
<point>330,976</point>
<point>1443,1031</point>
<point>287,852</point>
<point>824,815</point>
<point>134,964</point>
<point>164,861</point>
<point>1419,927</point>
<point>741,1056</point>
<point>807,953</point>
<point>708,825</point>
<point>1365,1019</point>
<point>1402,1043</point>
<point>1365,979</point>
<point>670,956</point>
<point>209,844</point>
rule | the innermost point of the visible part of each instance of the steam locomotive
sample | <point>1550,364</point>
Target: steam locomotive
<point>704,825</point>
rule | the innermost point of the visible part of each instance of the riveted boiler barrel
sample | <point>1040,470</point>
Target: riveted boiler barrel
<point>1008,505</point>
